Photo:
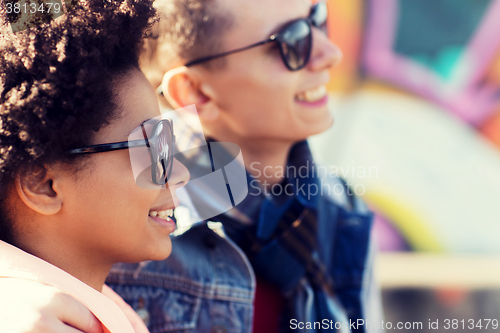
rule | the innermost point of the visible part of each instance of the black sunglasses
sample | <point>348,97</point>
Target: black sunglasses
<point>294,40</point>
<point>160,144</point>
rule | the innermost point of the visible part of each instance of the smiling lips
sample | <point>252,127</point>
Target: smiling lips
<point>312,95</point>
<point>163,214</point>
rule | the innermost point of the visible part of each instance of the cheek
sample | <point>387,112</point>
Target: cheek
<point>258,98</point>
<point>110,193</point>
<point>266,93</point>
<point>275,87</point>
<point>112,220</point>
<point>261,80</point>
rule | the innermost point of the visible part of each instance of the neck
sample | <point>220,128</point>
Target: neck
<point>63,254</point>
<point>265,160</point>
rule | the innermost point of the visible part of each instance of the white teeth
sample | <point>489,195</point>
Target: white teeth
<point>312,95</point>
<point>163,214</point>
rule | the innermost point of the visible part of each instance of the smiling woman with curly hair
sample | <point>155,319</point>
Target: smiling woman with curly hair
<point>70,90</point>
<point>56,83</point>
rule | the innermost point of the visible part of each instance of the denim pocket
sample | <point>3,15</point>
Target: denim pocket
<point>167,310</point>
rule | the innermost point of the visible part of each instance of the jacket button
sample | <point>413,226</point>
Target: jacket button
<point>210,241</point>
<point>218,329</point>
<point>144,315</point>
<point>142,312</point>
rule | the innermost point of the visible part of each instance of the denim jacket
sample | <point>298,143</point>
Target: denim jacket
<point>208,285</point>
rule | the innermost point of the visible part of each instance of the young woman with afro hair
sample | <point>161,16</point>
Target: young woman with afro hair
<point>69,212</point>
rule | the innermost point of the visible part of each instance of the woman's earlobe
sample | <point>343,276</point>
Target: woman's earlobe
<point>35,187</point>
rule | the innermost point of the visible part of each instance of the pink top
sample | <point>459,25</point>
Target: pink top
<point>15,263</point>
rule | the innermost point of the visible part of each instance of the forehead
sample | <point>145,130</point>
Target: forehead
<point>255,20</point>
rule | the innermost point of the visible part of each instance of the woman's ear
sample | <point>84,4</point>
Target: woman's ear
<point>181,88</point>
<point>37,188</point>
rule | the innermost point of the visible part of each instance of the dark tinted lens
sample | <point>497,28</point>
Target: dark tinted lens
<point>319,16</point>
<point>295,41</point>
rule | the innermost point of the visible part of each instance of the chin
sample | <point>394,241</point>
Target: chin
<point>328,123</point>
<point>162,253</point>
<point>320,126</point>
<point>159,252</point>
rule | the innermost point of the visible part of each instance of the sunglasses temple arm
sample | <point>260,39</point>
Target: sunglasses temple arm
<point>145,135</point>
<point>197,61</point>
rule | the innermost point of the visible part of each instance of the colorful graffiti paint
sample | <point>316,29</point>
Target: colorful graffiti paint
<point>440,50</point>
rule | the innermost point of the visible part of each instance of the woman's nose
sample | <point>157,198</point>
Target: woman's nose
<point>325,54</point>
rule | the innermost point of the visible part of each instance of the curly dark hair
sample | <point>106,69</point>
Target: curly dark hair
<point>56,83</point>
<point>198,31</point>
